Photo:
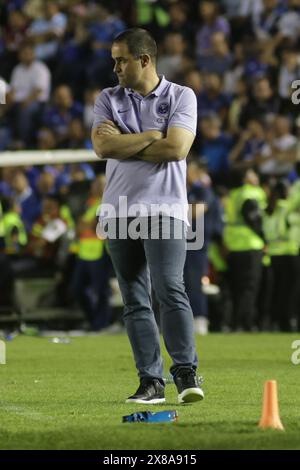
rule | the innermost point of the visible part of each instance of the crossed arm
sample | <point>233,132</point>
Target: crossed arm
<point>150,146</point>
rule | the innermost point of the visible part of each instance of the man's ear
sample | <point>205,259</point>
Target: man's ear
<point>145,60</point>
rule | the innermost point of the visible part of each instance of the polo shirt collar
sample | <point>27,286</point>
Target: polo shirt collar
<point>156,92</point>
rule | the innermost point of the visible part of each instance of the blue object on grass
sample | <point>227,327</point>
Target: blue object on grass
<point>149,417</point>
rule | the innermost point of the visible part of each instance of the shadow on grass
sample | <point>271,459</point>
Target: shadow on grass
<point>212,435</point>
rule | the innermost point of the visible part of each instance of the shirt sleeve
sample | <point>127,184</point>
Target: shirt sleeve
<point>102,109</point>
<point>185,114</point>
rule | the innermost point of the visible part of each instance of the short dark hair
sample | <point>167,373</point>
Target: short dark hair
<point>139,41</point>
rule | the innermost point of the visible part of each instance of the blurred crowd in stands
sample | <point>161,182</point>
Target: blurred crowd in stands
<point>241,58</point>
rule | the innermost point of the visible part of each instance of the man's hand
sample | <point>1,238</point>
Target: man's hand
<point>174,147</point>
<point>108,128</point>
<point>157,135</point>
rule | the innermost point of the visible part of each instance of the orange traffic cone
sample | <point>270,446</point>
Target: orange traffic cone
<point>270,413</point>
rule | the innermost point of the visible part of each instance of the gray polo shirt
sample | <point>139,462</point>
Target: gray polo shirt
<point>132,183</point>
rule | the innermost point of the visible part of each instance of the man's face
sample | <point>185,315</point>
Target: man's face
<point>27,55</point>
<point>128,69</point>
<point>50,208</point>
<point>63,97</point>
<point>262,90</point>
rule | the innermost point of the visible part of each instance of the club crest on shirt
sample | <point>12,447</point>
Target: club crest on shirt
<point>163,108</point>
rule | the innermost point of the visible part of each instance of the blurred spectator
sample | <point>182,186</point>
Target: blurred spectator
<point>6,177</point>
<point>80,172</point>
<point>151,15</point>
<point>204,204</point>
<point>77,137</point>
<point>46,184</point>
<point>249,145</point>
<point>26,199</point>
<point>46,139</point>
<point>211,22</point>
<point>15,32</point>
<point>266,22</point>
<point>171,58</point>
<point>179,21</point>
<point>88,110</point>
<point>273,159</point>
<point>46,234</point>
<point>30,83</point>
<point>239,101</point>
<point>73,54</point>
<point>219,60</point>
<point>288,72</point>
<point>215,147</point>
<point>283,251</point>
<point>5,128</point>
<point>14,229</point>
<point>46,31</point>
<point>212,98</point>
<point>193,79</point>
<point>264,104</point>
<point>91,275</point>
<point>14,35</point>
<point>63,110</point>
<point>2,232</point>
<point>289,24</point>
<point>104,27</point>
<point>261,62</point>
<point>237,70</point>
<point>244,240</point>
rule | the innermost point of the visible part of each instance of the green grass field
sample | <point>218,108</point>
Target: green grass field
<point>71,396</point>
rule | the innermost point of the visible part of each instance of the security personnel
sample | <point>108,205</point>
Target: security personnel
<point>201,196</point>
<point>6,275</point>
<point>294,220</point>
<point>294,207</point>
<point>244,240</point>
<point>1,229</point>
<point>283,250</point>
<point>91,275</point>
<point>15,236</point>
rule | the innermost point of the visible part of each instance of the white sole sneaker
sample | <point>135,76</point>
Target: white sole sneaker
<point>155,401</point>
<point>191,395</point>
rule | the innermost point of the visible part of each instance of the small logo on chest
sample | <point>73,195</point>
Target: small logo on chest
<point>163,108</point>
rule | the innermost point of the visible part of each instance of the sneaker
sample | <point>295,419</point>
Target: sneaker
<point>188,387</point>
<point>150,391</point>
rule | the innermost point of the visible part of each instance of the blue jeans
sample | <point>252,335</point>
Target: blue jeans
<point>160,262</point>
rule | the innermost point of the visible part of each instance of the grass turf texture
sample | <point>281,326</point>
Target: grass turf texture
<point>71,396</point>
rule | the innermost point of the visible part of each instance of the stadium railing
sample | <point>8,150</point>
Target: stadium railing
<point>47,157</point>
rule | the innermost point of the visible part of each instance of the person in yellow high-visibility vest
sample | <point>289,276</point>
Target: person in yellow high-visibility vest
<point>294,221</point>
<point>283,251</point>
<point>91,273</point>
<point>1,229</point>
<point>6,275</point>
<point>244,240</point>
<point>15,235</point>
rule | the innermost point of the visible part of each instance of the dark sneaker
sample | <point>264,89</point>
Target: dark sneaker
<point>150,391</point>
<point>188,387</point>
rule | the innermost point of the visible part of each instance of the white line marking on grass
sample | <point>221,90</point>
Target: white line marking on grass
<point>23,411</point>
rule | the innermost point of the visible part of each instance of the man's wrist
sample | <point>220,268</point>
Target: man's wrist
<point>155,135</point>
